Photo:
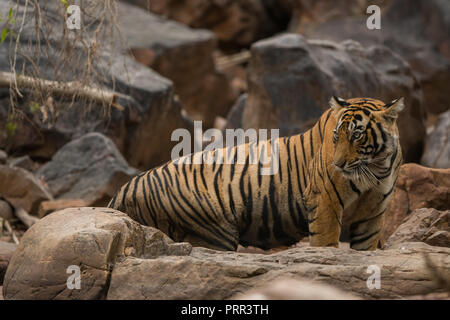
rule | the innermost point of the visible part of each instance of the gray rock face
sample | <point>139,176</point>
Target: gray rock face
<point>90,168</point>
<point>437,144</point>
<point>148,118</point>
<point>22,189</point>
<point>183,55</point>
<point>426,225</point>
<point>416,30</point>
<point>291,80</point>
<point>234,118</point>
<point>120,259</point>
<point>236,23</point>
<point>6,211</point>
<point>23,162</point>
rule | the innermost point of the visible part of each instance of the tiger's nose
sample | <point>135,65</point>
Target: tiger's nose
<point>340,164</point>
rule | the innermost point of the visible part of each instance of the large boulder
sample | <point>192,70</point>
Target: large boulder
<point>148,117</point>
<point>427,225</point>
<point>236,23</point>
<point>291,80</point>
<point>184,56</point>
<point>416,30</point>
<point>121,259</point>
<point>90,168</point>
<point>437,144</point>
<point>22,189</point>
<point>417,187</point>
<point>90,238</point>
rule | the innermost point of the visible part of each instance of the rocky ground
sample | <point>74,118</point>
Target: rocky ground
<point>231,64</point>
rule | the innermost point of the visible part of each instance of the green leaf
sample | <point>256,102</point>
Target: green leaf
<point>10,13</point>
<point>34,107</point>
<point>4,35</point>
<point>11,128</point>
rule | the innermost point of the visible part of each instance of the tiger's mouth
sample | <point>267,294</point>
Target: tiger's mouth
<point>359,172</point>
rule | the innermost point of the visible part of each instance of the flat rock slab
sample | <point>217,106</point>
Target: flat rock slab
<point>208,274</point>
<point>121,259</point>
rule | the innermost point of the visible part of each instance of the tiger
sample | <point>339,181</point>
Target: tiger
<point>334,183</point>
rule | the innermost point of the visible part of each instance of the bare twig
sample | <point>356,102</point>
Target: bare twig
<point>23,216</point>
<point>223,63</point>
<point>11,231</point>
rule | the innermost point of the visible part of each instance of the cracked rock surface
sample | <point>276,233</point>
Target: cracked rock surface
<point>120,259</point>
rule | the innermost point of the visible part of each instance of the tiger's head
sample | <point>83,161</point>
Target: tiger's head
<point>365,138</point>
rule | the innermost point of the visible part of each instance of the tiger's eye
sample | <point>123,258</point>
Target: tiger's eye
<point>357,135</point>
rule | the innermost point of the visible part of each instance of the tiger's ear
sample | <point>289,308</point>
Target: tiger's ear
<point>337,103</point>
<point>393,109</point>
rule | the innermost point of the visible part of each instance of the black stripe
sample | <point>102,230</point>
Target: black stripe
<point>112,203</point>
<point>259,166</point>
<point>290,202</point>
<point>335,190</point>
<point>135,202</point>
<point>202,168</point>
<point>264,233</point>
<point>354,188</point>
<point>152,210</point>
<point>303,149</point>
<point>194,218</point>
<point>206,224</point>
<point>166,170</point>
<point>217,193</point>
<point>146,202</point>
<point>353,242</point>
<point>125,191</point>
<point>389,192</point>
<point>231,203</point>
<point>356,224</point>
<point>320,129</point>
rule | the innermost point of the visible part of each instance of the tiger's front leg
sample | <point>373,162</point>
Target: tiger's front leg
<point>324,222</point>
<point>365,229</point>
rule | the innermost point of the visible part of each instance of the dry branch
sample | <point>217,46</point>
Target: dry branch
<point>223,63</point>
<point>62,89</point>
<point>23,216</point>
